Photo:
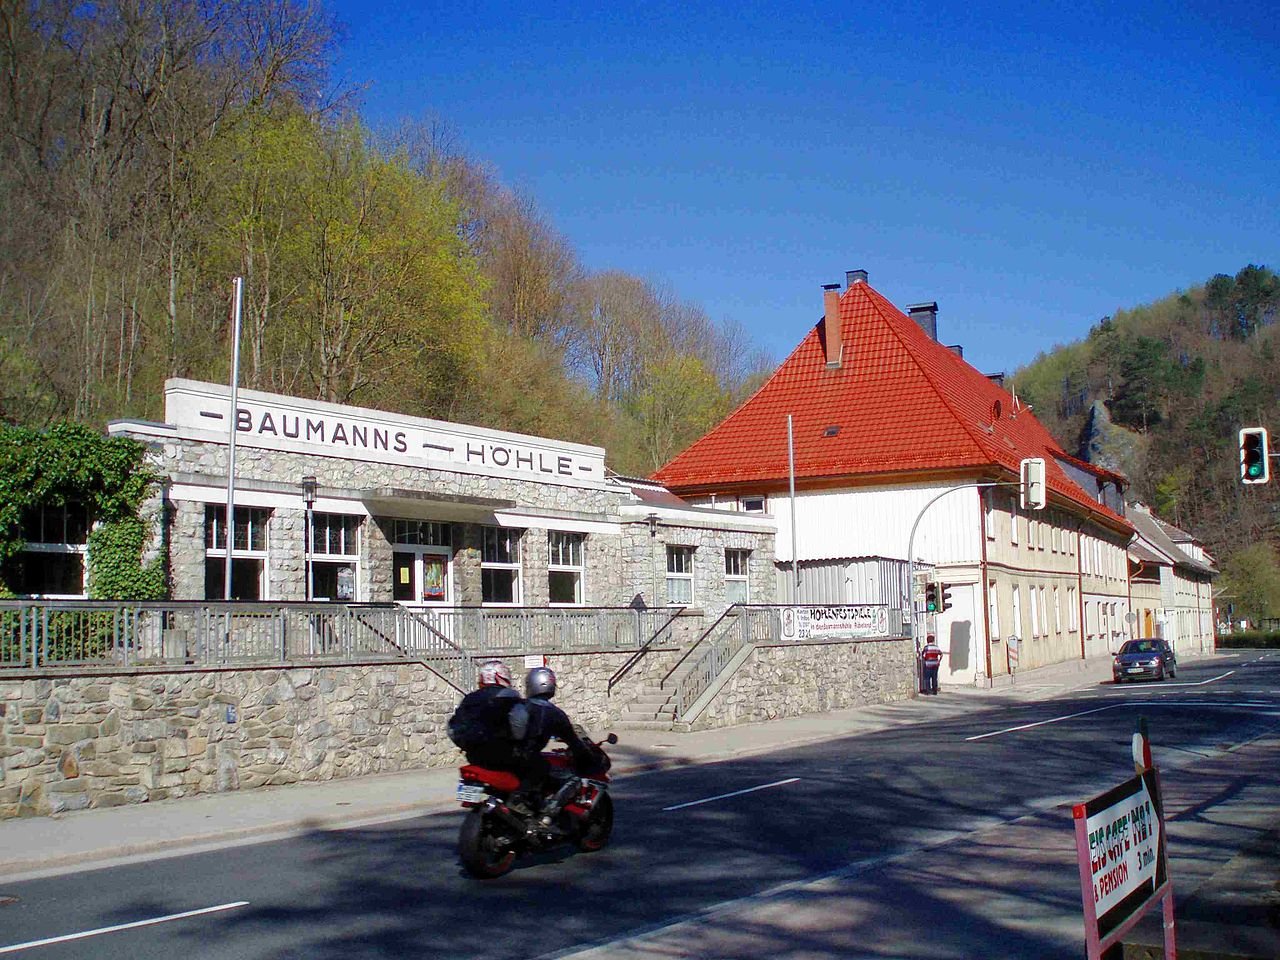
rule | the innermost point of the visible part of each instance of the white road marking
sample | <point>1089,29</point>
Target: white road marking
<point>736,793</point>
<point>1196,683</point>
<point>1127,705</point>
<point>15,947</point>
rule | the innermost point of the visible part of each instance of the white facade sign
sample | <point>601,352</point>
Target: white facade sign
<point>833,623</point>
<point>278,422</point>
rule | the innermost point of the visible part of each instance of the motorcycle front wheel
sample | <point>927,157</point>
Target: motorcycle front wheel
<point>486,845</point>
<point>598,826</point>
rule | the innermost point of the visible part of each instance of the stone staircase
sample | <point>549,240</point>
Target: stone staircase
<point>654,708</point>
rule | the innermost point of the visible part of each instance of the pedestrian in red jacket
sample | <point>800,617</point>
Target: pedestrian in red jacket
<point>930,660</point>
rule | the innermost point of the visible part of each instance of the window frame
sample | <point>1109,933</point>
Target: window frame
<point>577,543</point>
<point>60,545</point>
<point>740,576</point>
<point>514,537</point>
<point>255,553</point>
<point>683,576</point>
<point>351,528</point>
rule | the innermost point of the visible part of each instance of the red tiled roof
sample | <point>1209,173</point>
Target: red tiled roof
<point>902,403</point>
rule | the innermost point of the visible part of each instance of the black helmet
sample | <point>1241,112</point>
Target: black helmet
<point>540,682</point>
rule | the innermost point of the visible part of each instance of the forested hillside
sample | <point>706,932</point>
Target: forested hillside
<point>149,153</point>
<point>1176,380</point>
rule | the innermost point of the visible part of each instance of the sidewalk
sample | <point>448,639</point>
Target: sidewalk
<point>50,845</point>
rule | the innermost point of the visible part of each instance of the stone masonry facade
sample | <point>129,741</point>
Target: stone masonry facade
<point>70,743</point>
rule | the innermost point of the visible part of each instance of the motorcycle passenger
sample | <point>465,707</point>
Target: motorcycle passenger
<point>544,721</point>
<point>482,726</point>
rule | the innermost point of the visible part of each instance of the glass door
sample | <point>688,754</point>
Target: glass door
<point>420,576</point>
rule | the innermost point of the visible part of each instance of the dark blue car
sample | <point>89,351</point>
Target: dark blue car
<point>1147,657</point>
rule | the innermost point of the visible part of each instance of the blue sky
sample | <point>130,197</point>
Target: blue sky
<point>1032,167</point>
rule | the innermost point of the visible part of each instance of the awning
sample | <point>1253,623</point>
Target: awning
<point>428,505</point>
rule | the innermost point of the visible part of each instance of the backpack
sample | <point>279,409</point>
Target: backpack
<point>481,718</point>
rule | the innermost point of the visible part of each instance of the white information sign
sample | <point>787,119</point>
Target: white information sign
<point>835,623</point>
<point>1123,863</point>
<point>1124,845</point>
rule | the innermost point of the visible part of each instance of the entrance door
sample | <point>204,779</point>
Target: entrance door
<point>420,576</point>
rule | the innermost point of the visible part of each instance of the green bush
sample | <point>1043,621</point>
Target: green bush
<point>1249,639</point>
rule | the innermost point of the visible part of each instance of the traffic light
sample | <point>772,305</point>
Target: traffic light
<point>944,596</point>
<point>1031,484</point>
<point>931,597</point>
<point>1255,464</point>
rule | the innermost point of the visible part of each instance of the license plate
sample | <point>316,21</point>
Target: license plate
<point>1136,669</point>
<point>470,792</point>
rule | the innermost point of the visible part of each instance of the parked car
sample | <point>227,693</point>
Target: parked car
<point>1144,657</point>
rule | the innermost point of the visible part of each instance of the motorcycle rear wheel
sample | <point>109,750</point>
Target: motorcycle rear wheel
<point>486,846</point>
<point>599,825</point>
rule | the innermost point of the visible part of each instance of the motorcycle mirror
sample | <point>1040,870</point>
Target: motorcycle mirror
<point>611,738</point>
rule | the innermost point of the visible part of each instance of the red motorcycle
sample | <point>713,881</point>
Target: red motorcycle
<point>493,835</point>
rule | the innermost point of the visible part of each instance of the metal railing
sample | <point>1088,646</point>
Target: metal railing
<point>86,634</point>
<point>663,634</point>
<point>74,635</point>
<point>710,654</point>
<point>738,627</point>
<point>508,631</point>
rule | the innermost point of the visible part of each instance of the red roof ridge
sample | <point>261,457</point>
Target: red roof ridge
<point>980,438</point>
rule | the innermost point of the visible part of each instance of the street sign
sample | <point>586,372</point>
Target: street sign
<point>1120,843</point>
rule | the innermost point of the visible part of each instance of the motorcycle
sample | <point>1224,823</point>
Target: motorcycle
<point>494,835</point>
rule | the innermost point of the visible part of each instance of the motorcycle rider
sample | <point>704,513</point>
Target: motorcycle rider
<point>483,726</point>
<point>543,720</point>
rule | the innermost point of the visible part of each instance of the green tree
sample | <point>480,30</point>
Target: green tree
<point>1251,582</point>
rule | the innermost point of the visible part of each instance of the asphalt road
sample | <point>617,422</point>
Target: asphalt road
<point>898,824</point>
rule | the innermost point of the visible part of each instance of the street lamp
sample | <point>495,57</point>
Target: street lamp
<point>309,496</point>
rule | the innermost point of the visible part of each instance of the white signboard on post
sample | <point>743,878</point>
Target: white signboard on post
<point>1121,849</point>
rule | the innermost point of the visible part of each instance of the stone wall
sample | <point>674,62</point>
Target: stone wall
<point>787,680</point>
<point>68,743</point>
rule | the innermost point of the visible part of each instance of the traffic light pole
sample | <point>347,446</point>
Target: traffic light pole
<point>911,554</point>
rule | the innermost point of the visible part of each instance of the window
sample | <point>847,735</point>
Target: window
<point>51,563</point>
<point>989,517</point>
<point>736,585</point>
<point>1013,522</point>
<point>751,504</point>
<point>500,565</point>
<point>993,611</point>
<point>334,556</point>
<point>680,575</point>
<point>1044,611</point>
<point>564,566</point>
<point>422,533</point>
<point>1031,533</point>
<point>1073,611</point>
<point>1057,611</point>
<point>1057,540</point>
<point>1017,613</point>
<point>1035,613</point>
<point>249,553</point>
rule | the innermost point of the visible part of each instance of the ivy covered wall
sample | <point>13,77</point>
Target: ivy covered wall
<point>72,465</point>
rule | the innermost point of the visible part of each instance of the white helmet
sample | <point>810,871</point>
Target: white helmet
<point>541,682</point>
<point>494,673</point>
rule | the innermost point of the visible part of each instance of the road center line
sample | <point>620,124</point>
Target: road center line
<point>1126,703</point>
<point>736,793</point>
<point>15,947</point>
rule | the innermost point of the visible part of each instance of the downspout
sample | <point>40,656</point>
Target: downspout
<point>982,572</point>
<point>1080,590</point>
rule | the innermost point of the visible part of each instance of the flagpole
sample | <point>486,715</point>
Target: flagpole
<point>231,443</point>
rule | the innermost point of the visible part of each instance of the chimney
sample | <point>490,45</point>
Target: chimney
<point>996,378</point>
<point>831,324</point>
<point>957,349</point>
<point>925,314</point>
<point>854,276</point>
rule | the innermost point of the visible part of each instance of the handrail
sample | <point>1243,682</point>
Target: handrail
<point>693,646</point>
<point>636,657</point>
<point>465,678</point>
